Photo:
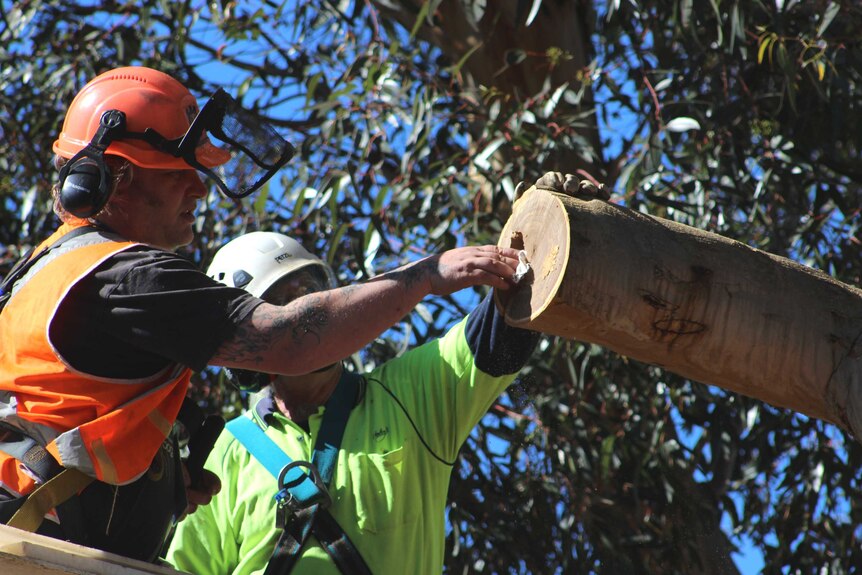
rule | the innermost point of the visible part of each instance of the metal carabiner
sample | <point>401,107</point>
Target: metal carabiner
<point>288,502</point>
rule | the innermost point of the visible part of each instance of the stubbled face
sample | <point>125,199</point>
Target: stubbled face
<point>299,396</point>
<point>158,207</point>
<point>294,285</point>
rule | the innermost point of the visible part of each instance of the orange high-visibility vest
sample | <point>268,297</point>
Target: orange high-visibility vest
<point>105,427</point>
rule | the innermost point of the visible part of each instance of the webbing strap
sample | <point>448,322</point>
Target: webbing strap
<point>26,263</point>
<point>47,496</point>
<point>338,409</point>
<point>26,450</point>
<point>287,548</point>
<point>258,444</point>
<point>311,518</point>
<point>302,486</point>
<point>329,534</point>
<point>336,543</point>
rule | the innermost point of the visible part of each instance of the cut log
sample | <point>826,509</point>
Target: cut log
<point>703,306</point>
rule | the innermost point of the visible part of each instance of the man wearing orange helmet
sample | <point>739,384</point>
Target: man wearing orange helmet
<point>103,324</point>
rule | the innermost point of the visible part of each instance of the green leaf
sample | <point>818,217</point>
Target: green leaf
<point>421,18</point>
<point>765,42</point>
<point>607,451</point>
<point>534,11</point>
<point>334,243</point>
<point>719,33</point>
<point>829,15</point>
<point>262,195</point>
<point>682,124</point>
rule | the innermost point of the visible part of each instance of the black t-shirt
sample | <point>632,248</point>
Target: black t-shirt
<point>143,309</point>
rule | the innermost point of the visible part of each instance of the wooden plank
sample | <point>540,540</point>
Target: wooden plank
<point>25,553</point>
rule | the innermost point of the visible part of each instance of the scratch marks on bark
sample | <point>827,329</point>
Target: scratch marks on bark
<point>676,326</point>
<point>679,303</point>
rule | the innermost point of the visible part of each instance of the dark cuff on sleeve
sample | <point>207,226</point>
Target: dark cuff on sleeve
<point>498,348</point>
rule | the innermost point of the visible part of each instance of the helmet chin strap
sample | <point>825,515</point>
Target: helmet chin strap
<point>325,368</point>
<point>273,376</point>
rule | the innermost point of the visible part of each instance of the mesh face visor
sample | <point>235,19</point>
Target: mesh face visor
<point>257,150</point>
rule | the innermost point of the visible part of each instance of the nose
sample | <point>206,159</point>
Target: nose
<point>196,187</point>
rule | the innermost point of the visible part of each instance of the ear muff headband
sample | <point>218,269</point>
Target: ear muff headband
<point>85,180</point>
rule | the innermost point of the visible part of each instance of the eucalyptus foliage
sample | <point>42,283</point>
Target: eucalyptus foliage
<point>414,122</point>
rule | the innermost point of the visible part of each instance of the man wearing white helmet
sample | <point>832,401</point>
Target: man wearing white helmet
<point>401,428</point>
<point>273,267</point>
<point>103,325</point>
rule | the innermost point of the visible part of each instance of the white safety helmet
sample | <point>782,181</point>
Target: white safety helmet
<point>257,260</point>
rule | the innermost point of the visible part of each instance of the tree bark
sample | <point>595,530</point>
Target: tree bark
<point>695,303</point>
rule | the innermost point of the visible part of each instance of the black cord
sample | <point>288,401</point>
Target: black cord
<point>410,419</point>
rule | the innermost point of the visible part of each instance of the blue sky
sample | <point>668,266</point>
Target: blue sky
<point>749,559</point>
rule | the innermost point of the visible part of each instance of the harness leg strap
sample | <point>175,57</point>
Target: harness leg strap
<point>286,552</point>
<point>339,547</point>
<point>329,534</point>
<point>48,496</point>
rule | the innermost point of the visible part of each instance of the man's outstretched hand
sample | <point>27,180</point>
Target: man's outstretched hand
<point>460,268</point>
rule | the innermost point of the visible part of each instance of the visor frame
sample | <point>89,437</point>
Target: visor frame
<point>207,121</point>
<point>210,120</point>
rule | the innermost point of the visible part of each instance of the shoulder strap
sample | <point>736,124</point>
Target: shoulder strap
<point>258,444</point>
<point>310,500</point>
<point>329,438</point>
<point>338,409</point>
<point>28,451</point>
<point>302,486</point>
<point>26,262</point>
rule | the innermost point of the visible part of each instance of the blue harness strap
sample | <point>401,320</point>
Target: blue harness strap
<point>258,444</point>
<point>302,488</point>
<point>304,494</point>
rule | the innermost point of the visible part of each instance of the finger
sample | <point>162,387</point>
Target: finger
<point>498,265</point>
<point>210,482</point>
<point>487,271</point>
<point>187,479</point>
<point>197,498</point>
<point>486,254</point>
<point>511,253</point>
<point>493,280</point>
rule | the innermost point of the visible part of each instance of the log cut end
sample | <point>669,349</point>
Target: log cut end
<point>540,226</point>
<point>695,303</point>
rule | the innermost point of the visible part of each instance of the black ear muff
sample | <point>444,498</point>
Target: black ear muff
<point>85,186</point>
<point>85,180</point>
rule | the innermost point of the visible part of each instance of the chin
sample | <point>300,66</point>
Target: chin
<point>184,239</point>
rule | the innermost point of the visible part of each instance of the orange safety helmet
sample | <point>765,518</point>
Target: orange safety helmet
<point>149,99</point>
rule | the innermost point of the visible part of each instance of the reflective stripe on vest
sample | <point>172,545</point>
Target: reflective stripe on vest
<point>108,428</point>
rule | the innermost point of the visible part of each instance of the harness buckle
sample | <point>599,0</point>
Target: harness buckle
<point>298,490</point>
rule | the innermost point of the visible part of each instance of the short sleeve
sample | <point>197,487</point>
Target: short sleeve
<point>143,309</point>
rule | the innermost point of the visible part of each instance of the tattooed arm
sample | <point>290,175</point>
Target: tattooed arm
<point>324,327</point>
